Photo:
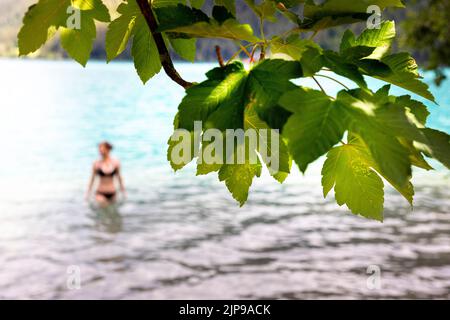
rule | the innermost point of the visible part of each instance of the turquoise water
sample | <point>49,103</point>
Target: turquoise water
<point>181,236</point>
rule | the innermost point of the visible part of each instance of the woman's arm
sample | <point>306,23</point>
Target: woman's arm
<point>91,182</point>
<point>119,177</point>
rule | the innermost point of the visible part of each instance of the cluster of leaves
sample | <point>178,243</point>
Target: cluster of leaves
<point>44,19</point>
<point>384,135</point>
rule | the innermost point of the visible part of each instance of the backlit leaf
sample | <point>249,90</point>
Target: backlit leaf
<point>316,126</point>
<point>355,183</point>
<point>144,51</point>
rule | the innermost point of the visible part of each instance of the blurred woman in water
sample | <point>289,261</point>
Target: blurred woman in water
<point>107,169</point>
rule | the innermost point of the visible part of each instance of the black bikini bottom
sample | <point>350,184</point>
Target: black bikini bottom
<point>107,195</point>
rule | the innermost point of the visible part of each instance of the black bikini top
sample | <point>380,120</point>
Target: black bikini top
<point>102,173</point>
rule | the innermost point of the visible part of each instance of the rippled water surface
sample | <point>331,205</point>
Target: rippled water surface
<point>181,236</point>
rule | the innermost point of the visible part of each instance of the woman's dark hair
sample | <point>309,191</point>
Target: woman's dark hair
<point>108,145</point>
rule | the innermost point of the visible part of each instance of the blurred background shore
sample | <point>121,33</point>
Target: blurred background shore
<point>422,27</point>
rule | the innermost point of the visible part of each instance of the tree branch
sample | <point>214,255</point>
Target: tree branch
<point>164,56</point>
<point>219,57</point>
<point>262,54</point>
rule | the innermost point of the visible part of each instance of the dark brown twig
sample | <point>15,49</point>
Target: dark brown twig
<point>262,55</point>
<point>164,56</point>
<point>219,57</point>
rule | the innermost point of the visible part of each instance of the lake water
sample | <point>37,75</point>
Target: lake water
<point>181,236</point>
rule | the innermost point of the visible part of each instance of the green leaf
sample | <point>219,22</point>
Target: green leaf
<point>238,178</point>
<point>121,29</point>
<point>282,6</point>
<point>144,51</point>
<point>182,156</point>
<point>293,46</point>
<point>357,53</point>
<point>316,126</point>
<point>229,4</point>
<point>415,156</point>
<point>230,113</point>
<point>203,167</point>
<point>348,41</point>
<point>355,183</point>
<point>221,14</point>
<point>37,22</point>
<point>389,154</point>
<point>267,89</point>
<point>438,146</point>
<point>373,67</point>
<point>379,39</point>
<point>233,98</point>
<point>230,29</point>
<point>79,42</point>
<point>417,108</point>
<point>203,99</point>
<point>396,126</point>
<point>405,74</point>
<point>172,17</point>
<point>407,189</point>
<point>265,9</point>
<point>399,69</point>
<point>167,3</point>
<point>337,12</point>
<point>363,53</point>
<point>185,48</point>
<point>340,66</point>
<point>129,24</point>
<point>311,61</point>
<point>284,69</point>
<point>394,118</point>
<point>271,142</point>
<point>96,9</point>
<point>191,22</point>
<point>47,16</point>
<point>328,21</point>
<point>382,106</point>
<point>197,3</point>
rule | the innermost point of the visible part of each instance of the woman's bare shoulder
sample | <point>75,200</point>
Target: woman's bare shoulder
<point>96,163</point>
<point>115,162</point>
